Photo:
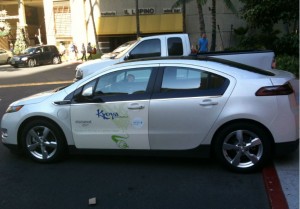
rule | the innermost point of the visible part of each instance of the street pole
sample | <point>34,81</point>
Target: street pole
<point>138,33</point>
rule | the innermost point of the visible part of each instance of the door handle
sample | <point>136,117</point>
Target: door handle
<point>136,106</point>
<point>208,102</point>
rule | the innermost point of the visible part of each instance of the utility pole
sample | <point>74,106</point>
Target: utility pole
<point>137,14</point>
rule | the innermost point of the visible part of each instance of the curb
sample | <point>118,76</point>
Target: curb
<point>273,188</point>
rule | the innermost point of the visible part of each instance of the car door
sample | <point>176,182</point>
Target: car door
<point>186,103</point>
<point>111,112</point>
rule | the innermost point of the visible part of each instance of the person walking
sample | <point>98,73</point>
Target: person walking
<point>89,50</point>
<point>83,52</point>
<point>203,43</point>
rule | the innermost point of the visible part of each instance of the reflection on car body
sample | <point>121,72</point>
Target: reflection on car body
<point>185,106</point>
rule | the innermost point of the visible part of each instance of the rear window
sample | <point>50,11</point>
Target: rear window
<point>175,46</point>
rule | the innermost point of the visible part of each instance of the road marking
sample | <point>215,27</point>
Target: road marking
<point>34,84</point>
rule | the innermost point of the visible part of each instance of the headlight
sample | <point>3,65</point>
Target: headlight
<point>24,58</point>
<point>11,109</point>
<point>78,74</point>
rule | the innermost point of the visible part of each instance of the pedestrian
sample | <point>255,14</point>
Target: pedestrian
<point>62,51</point>
<point>72,52</point>
<point>83,52</point>
<point>89,50</point>
<point>203,43</point>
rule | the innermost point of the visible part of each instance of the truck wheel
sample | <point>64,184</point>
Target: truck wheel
<point>243,147</point>
<point>43,141</point>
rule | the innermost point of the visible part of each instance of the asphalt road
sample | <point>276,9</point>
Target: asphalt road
<point>114,181</point>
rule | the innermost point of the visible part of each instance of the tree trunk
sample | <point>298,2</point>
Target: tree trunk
<point>214,25</point>
<point>201,18</point>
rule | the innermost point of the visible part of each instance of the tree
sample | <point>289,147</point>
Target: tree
<point>200,12</point>
<point>265,14</point>
<point>230,6</point>
<point>200,3</point>
<point>20,44</point>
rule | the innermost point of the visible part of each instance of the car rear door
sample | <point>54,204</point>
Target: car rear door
<point>111,112</point>
<point>186,103</point>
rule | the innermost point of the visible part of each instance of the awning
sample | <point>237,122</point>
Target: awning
<point>164,23</point>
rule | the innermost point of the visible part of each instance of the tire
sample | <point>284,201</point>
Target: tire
<point>8,60</point>
<point>243,147</point>
<point>55,60</point>
<point>43,141</point>
<point>31,63</point>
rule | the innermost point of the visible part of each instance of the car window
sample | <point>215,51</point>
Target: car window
<point>147,48</point>
<point>2,51</point>
<point>46,49</point>
<point>175,46</point>
<point>133,81</point>
<point>189,79</point>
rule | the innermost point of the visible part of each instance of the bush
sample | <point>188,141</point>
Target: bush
<point>288,63</point>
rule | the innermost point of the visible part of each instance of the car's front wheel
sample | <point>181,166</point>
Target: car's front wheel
<point>56,60</point>
<point>243,147</point>
<point>43,141</point>
<point>31,63</point>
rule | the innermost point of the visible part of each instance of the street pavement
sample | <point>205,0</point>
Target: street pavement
<point>287,168</point>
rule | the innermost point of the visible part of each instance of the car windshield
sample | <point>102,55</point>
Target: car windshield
<point>29,50</point>
<point>123,47</point>
<point>132,44</point>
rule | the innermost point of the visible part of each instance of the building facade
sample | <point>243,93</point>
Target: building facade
<point>107,24</point>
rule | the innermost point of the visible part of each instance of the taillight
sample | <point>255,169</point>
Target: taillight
<point>285,89</point>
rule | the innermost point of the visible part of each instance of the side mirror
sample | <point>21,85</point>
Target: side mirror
<point>88,92</point>
<point>127,56</point>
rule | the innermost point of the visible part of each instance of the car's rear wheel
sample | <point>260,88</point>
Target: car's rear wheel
<point>56,60</point>
<point>8,60</point>
<point>43,141</point>
<point>243,147</point>
<point>31,63</point>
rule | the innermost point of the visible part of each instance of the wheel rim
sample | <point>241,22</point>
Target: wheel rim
<point>55,60</point>
<point>242,148</point>
<point>41,142</point>
<point>31,63</point>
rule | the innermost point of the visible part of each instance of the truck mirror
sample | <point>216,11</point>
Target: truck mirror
<point>127,56</point>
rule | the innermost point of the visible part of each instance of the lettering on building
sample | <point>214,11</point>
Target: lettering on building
<point>142,11</point>
<point>109,13</point>
<point>171,11</point>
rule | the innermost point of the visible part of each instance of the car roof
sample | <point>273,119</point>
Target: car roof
<point>207,58</point>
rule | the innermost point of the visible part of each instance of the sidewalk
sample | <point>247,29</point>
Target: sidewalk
<point>288,172</point>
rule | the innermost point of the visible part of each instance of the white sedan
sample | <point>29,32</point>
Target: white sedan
<point>5,56</point>
<point>197,107</point>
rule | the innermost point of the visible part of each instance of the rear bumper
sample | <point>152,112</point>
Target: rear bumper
<point>286,148</point>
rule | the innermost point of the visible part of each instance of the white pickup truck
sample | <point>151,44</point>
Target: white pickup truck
<point>172,45</point>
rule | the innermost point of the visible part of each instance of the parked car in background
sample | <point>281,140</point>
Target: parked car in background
<point>188,106</point>
<point>118,50</point>
<point>5,56</point>
<point>37,55</point>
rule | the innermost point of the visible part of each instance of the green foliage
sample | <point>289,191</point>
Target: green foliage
<point>264,14</point>
<point>20,44</point>
<point>288,44</point>
<point>288,63</point>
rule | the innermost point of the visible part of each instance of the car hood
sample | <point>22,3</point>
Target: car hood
<point>34,99</point>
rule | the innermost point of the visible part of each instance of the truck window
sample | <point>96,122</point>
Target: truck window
<point>175,46</point>
<point>147,48</point>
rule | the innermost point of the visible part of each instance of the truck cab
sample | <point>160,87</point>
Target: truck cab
<point>152,46</point>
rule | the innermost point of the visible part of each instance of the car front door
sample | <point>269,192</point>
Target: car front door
<point>186,103</point>
<point>111,112</point>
